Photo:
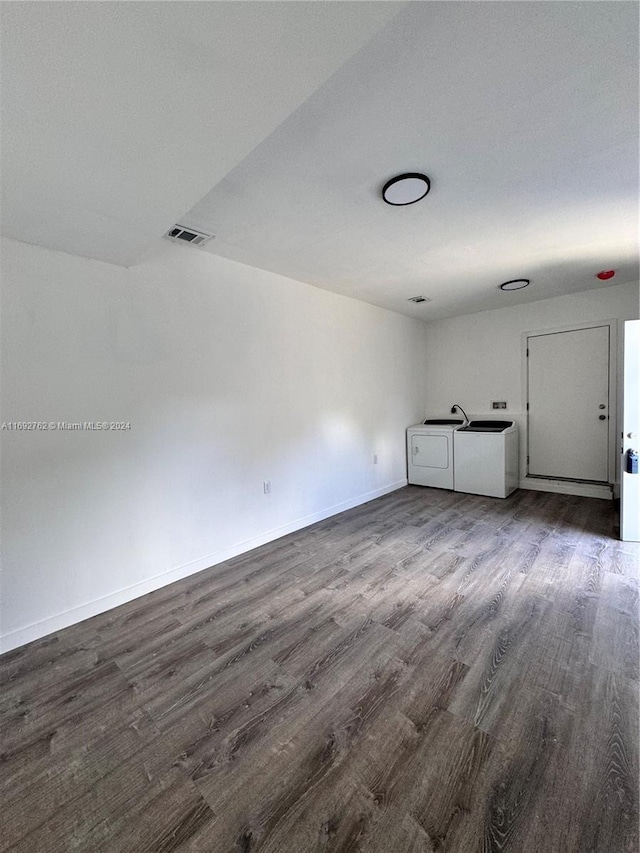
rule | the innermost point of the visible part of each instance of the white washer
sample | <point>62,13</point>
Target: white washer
<point>486,458</point>
<point>430,452</point>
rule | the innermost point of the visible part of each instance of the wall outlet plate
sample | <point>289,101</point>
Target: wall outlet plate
<point>499,404</point>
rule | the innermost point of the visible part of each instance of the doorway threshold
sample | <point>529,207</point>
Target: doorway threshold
<point>580,488</point>
<point>568,480</point>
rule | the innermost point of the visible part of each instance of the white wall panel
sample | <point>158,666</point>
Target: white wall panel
<point>228,375</point>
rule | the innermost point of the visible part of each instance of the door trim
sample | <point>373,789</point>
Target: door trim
<point>629,424</point>
<point>612,460</point>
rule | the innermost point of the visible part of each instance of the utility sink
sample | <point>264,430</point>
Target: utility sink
<point>442,422</point>
<point>487,426</point>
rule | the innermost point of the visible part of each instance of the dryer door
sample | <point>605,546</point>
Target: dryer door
<point>430,462</point>
<point>430,451</point>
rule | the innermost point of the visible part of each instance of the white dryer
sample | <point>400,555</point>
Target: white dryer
<point>430,452</point>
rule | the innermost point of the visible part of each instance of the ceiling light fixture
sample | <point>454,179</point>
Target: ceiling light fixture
<point>406,189</point>
<point>515,284</point>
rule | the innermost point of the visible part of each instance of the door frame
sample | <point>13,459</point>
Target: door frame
<point>629,488</point>
<point>612,456</point>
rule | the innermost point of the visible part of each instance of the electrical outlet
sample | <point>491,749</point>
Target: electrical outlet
<point>500,404</point>
<point>375,458</point>
<point>266,485</point>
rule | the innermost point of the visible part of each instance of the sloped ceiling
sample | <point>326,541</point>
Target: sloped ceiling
<point>275,125</point>
<point>117,117</point>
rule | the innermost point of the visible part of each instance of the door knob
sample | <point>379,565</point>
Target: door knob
<point>602,417</point>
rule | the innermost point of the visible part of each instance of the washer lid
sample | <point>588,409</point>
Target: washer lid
<point>487,426</point>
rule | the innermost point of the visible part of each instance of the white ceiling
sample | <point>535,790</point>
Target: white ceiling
<point>117,117</point>
<point>274,125</point>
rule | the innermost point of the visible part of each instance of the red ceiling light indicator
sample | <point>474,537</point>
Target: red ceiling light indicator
<point>605,275</point>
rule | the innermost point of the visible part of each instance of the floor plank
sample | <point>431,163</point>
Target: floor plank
<point>430,672</point>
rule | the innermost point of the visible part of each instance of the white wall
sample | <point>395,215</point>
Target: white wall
<point>228,375</point>
<point>477,358</point>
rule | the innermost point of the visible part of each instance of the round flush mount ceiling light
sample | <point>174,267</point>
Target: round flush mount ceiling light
<point>605,275</point>
<point>406,189</point>
<point>515,284</point>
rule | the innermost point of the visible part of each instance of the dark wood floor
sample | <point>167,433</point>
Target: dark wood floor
<point>429,672</point>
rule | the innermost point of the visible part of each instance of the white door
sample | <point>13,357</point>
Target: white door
<point>630,483</point>
<point>568,404</point>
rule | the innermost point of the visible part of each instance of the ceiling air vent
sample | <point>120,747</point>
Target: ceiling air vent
<point>418,299</point>
<point>180,234</point>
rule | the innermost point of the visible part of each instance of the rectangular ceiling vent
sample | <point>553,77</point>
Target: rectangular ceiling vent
<point>419,299</point>
<point>181,234</point>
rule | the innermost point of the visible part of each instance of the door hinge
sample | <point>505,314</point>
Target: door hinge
<point>527,407</point>
<point>527,352</point>
<point>527,460</point>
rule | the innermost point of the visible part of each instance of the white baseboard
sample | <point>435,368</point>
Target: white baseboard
<point>562,487</point>
<point>51,624</point>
